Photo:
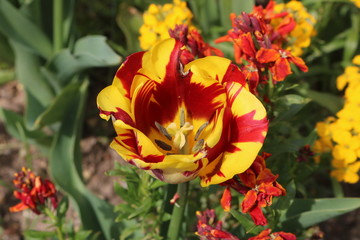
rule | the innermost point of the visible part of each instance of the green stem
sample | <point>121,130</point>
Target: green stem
<point>166,208</point>
<point>57,223</point>
<point>57,24</point>
<point>270,85</point>
<point>178,212</point>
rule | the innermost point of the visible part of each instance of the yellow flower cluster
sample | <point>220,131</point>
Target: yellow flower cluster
<point>341,135</point>
<point>356,2</point>
<point>300,37</point>
<point>158,19</point>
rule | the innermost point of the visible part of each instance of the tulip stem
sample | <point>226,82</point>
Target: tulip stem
<point>178,212</point>
<point>58,25</point>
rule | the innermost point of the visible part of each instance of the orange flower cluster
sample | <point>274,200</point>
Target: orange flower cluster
<point>259,186</point>
<point>32,191</point>
<point>258,46</point>
<point>210,229</point>
<point>195,45</point>
<point>267,235</point>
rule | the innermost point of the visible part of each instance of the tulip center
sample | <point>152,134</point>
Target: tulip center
<point>177,137</point>
<point>179,134</point>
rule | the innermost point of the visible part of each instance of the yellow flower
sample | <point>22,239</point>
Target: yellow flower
<point>179,122</point>
<point>356,2</point>
<point>158,19</point>
<point>345,172</point>
<point>342,135</point>
<point>300,37</point>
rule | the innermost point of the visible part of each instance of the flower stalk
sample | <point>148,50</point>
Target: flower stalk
<point>178,212</point>
<point>58,24</point>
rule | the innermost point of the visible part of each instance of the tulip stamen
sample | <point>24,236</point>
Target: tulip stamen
<point>162,145</point>
<point>163,130</point>
<point>198,146</point>
<point>199,131</point>
<point>183,73</point>
<point>182,118</point>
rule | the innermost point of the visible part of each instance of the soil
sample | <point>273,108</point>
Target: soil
<point>97,159</point>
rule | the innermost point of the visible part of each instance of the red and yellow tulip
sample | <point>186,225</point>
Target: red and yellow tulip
<point>179,121</point>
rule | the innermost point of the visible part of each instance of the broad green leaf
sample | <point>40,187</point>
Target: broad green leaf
<point>304,213</point>
<point>331,102</point>
<point>21,30</point>
<point>33,109</point>
<point>58,107</point>
<point>6,53</point>
<point>14,124</point>
<point>64,164</point>
<point>27,67</point>
<point>91,51</point>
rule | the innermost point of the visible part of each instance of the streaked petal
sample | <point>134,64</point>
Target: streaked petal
<point>208,68</point>
<point>125,74</point>
<point>161,63</point>
<point>109,101</point>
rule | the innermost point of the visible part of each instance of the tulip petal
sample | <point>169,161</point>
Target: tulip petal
<point>125,74</point>
<point>161,63</point>
<point>109,101</point>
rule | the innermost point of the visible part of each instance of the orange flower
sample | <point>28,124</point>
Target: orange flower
<point>196,46</point>
<point>226,199</point>
<point>210,229</point>
<point>259,186</point>
<point>280,62</point>
<point>267,235</point>
<point>262,187</point>
<point>32,191</point>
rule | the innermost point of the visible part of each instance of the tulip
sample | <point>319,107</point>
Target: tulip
<point>181,121</point>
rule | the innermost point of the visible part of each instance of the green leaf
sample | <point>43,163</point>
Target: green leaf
<point>62,207</point>
<point>27,67</point>
<point>304,213</point>
<point>65,159</point>
<point>33,234</point>
<point>82,235</point>
<point>58,107</point>
<point>246,222</point>
<point>332,102</point>
<point>90,51</point>
<point>6,53</point>
<point>293,104</point>
<point>14,124</point>
<point>21,30</point>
